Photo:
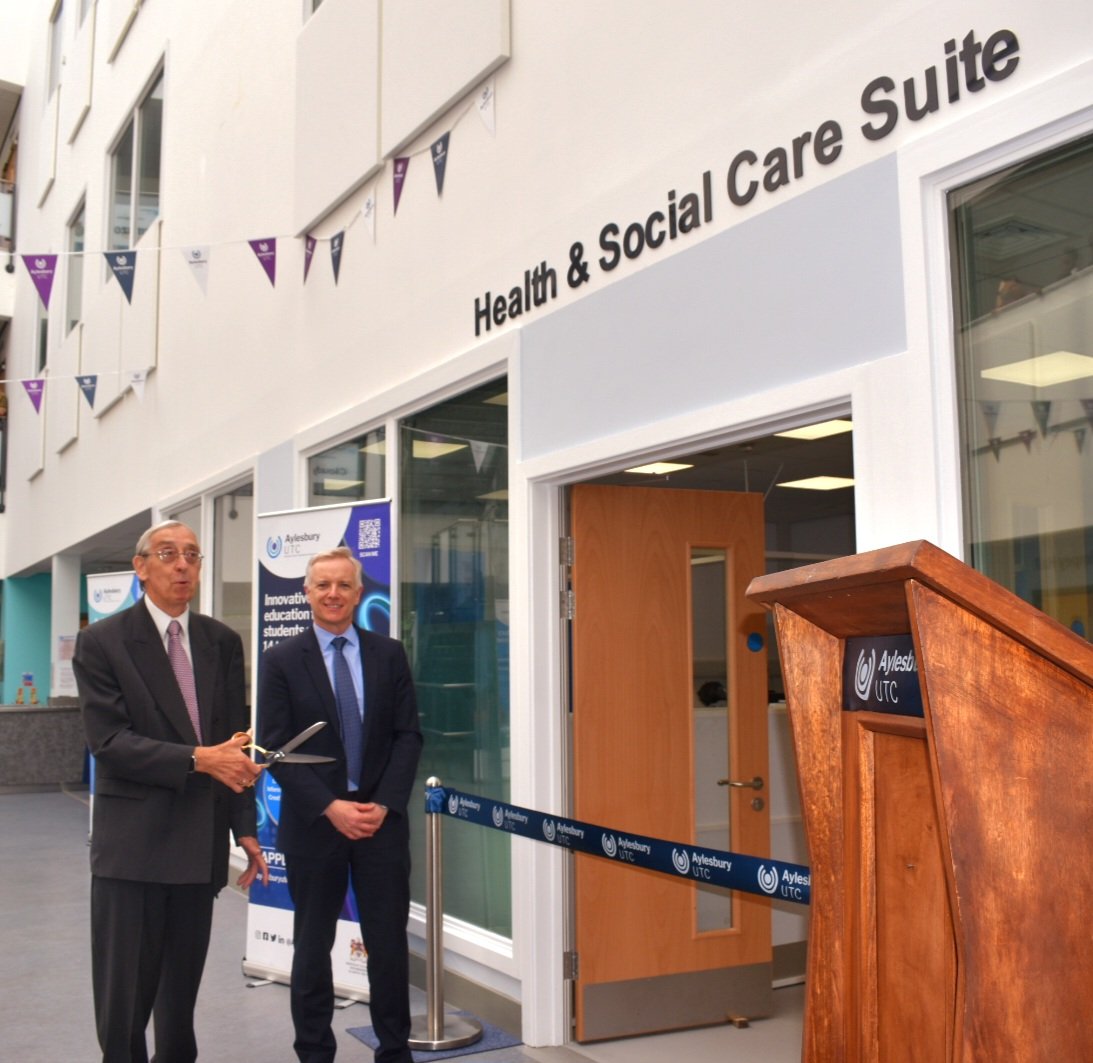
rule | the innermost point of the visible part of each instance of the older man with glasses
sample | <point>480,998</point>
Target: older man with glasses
<point>163,699</point>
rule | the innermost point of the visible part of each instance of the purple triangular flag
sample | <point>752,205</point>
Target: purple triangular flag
<point>87,386</point>
<point>402,164</point>
<point>266,250</point>
<point>1026,437</point>
<point>124,265</point>
<point>996,446</point>
<point>439,152</point>
<point>35,390</point>
<point>336,242</point>
<point>309,251</point>
<point>41,269</point>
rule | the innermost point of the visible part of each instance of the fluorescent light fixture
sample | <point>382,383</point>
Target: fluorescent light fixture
<point>820,430</point>
<point>1059,367</point>
<point>659,468</point>
<point>820,483</point>
<point>333,484</point>
<point>379,447</point>
<point>496,496</point>
<point>435,448</point>
<point>497,400</point>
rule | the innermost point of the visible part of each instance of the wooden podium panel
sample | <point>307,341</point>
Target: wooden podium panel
<point>952,861</point>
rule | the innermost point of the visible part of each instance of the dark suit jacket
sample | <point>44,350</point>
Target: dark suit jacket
<point>152,819</point>
<point>294,691</point>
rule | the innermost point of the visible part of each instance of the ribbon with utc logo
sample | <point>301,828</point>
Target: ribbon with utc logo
<point>737,871</point>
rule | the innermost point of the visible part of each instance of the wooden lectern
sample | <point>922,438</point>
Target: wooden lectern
<point>952,851</point>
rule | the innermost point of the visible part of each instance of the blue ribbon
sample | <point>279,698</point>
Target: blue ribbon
<point>736,871</point>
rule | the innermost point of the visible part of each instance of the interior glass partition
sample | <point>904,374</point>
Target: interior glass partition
<point>1022,246</point>
<point>454,579</point>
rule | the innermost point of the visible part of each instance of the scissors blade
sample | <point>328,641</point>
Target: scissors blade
<point>302,737</point>
<point>301,758</point>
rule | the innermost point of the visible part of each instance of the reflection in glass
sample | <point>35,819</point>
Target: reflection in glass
<point>233,563</point>
<point>1022,243</point>
<point>351,471</point>
<point>710,685</point>
<point>454,603</point>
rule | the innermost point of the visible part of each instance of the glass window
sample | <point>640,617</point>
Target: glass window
<point>42,353</point>
<point>454,609</point>
<point>233,563</point>
<point>134,167</point>
<point>74,293</point>
<point>351,471</point>
<point>1022,244</point>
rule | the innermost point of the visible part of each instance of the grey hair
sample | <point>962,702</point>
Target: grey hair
<point>145,540</point>
<point>337,553</point>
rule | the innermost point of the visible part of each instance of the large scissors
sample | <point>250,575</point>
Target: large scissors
<point>285,754</point>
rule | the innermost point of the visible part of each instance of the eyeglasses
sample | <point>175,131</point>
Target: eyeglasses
<point>169,555</point>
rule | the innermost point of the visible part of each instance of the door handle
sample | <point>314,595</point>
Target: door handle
<point>743,784</point>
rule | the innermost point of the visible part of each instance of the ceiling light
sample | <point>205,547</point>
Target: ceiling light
<point>820,430</point>
<point>497,400</point>
<point>496,496</point>
<point>820,483</point>
<point>659,468</point>
<point>332,484</point>
<point>1059,367</point>
<point>435,448</point>
<point>379,447</point>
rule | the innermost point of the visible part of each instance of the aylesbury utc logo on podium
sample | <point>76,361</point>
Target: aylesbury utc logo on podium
<point>880,674</point>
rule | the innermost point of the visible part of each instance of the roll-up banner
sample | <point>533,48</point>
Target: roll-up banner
<point>108,593</point>
<point>285,541</point>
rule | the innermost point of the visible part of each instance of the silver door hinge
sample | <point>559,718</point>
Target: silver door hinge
<point>569,966</point>
<point>568,603</point>
<point>566,550</point>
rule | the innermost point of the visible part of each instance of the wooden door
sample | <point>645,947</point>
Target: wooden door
<point>649,956</point>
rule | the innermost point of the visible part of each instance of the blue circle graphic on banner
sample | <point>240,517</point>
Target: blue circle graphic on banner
<point>755,642</point>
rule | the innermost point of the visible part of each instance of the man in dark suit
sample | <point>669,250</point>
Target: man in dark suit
<point>171,777</point>
<point>346,820</point>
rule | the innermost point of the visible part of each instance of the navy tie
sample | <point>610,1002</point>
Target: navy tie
<point>348,712</point>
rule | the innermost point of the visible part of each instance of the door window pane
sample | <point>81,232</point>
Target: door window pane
<point>454,608</point>
<point>1022,243</point>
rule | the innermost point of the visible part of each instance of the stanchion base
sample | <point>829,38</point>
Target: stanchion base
<point>458,1031</point>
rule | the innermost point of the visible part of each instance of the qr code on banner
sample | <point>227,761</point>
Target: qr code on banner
<point>368,534</point>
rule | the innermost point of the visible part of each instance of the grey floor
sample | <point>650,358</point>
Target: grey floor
<point>45,991</point>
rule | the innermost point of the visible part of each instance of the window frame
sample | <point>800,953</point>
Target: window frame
<point>133,130</point>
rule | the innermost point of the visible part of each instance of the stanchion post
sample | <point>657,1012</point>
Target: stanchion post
<point>435,1030</point>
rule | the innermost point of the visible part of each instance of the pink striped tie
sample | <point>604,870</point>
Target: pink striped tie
<point>184,673</point>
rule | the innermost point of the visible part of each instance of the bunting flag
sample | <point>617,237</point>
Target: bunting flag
<point>336,253</point>
<point>35,389</point>
<point>995,444</point>
<point>137,377</point>
<point>124,266</point>
<point>1026,437</point>
<point>198,258</point>
<point>402,164</point>
<point>1079,438</point>
<point>439,152</point>
<point>990,414</point>
<point>479,450</point>
<point>485,106</point>
<point>309,253</point>
<point>266,252</point>
<point>42,269</point>
<point>369,213</point>
<point>88,384</point>
<point>1042,412</point>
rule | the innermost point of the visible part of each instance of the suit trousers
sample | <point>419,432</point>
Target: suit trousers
<point>378,870</point>
<point>148,946</point>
